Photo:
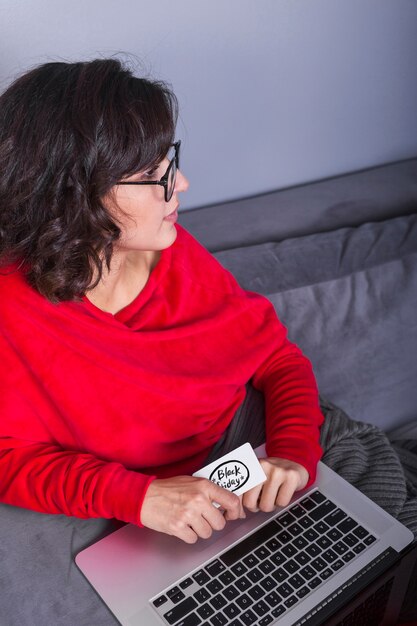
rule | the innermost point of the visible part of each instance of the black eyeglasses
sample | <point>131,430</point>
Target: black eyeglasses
<point>168,179</point>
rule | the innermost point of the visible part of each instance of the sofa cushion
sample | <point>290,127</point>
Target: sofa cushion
<point>350,200</point>
<point>360,333</point>
<point>349,300</point>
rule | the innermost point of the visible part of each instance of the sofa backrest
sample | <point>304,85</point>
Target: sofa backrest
<point>344,281</point>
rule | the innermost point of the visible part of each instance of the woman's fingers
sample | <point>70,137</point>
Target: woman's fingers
<point>283,479</point>
<point>183,506</point>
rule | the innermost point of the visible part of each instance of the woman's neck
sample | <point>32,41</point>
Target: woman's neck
<point>123,282</point>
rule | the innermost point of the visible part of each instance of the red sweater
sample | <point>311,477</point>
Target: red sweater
<point>93,406</point>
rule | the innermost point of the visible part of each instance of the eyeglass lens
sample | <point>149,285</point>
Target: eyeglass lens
<point>172,174</point>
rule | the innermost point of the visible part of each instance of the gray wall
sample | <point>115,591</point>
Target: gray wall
<point>272,92</point>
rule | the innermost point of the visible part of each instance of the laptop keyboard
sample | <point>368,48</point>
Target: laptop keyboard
<point>267,573</point>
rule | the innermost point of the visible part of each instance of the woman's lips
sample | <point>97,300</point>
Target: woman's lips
<point>172,217</point>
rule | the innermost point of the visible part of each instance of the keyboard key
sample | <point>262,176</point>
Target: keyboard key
<point>215,567</point>
<point>308,503</point>
<point>351,540</point>
<point>337,565</point>
<point>318,497</point>
<point>315,582</point>
<point>348,556</point>
<point>308,572</point>
<point>231,611</point>
<point>324,542</point>
<point>335,517</point>
<point>205,610</point>
<point>227,577</point>
<point>289,550</point>
<point>286,519</point>
<point>297,511</point>
<point>291,601</point>
<point>160,601</point>
<point>214,586</point>
<point>370,539</point>
<point>268,583</point>
<point>181,610</point>
<point>329,556</point>
<point>218,620</point>
<point>186,583</point>
<point>313,550</point>
<point>180,595</point>
<point>250,543</point>
<point>250,560</point>
<point>296,581</point>
<point>300,542</point>
<point>273,544</point>
<point>318,564</point>
<point>302,558</point>
<point>201,577</point>
<point>301,593</point>
<point>255,574</point>
<point>321,527</point>
<point>230,592</point>
<point>265,621</point>
<point>359,548</point>
<point>305,522</point>
<point>239,569</point>
<point>260,608</point>
<point>334,534</point>
<point>347,525</point>
<point>244,601</point>
<point>284,590</point>
<point>284,537</point>
<point>279,610</point>
<point>262,552</point>
<point>311,534</point>
<point>360,532</point>
<point>201,595</point>
<point>272,599</point>
<point>340,548</point>
<point>218,602</point>
<point>280,575</point>
<point>173,592</point>
<point>191,620</point>
<point>257,592</point>
<point>278,558</point>
<point>321,511</point>
<point>266,567</point>
<point>243,583</point>
<point>291,566</point>
<point>248,618</point>
<point>325,574</point>
<point>295,529</point>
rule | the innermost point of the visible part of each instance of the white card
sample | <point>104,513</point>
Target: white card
<point>237,471</point>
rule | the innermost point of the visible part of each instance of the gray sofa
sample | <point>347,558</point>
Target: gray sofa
<point>338,259</point>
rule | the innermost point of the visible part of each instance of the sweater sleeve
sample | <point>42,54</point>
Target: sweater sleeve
<point>293,415</point>
<point>45,478</point>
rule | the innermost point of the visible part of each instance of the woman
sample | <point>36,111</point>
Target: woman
<point>126,348</point>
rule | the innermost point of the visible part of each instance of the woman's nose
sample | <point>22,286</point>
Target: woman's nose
<point>182,183</point>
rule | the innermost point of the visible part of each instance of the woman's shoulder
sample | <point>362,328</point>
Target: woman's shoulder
<point>193,259</point>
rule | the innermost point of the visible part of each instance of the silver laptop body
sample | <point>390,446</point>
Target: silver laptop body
<point>137,571</point>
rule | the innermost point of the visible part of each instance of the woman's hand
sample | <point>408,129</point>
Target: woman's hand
<point>183,506</point>
<point>283,478</point>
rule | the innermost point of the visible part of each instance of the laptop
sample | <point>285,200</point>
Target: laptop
<point>330,555</point>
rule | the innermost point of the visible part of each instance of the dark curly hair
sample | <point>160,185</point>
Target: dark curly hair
<point>68,133</point>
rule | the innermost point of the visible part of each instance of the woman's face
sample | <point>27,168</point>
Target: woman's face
<point>147,222</point>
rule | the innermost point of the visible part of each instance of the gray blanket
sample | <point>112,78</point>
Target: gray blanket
<point>41,586</point>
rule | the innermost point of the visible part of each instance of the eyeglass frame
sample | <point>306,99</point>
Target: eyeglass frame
<point>164,180</point>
